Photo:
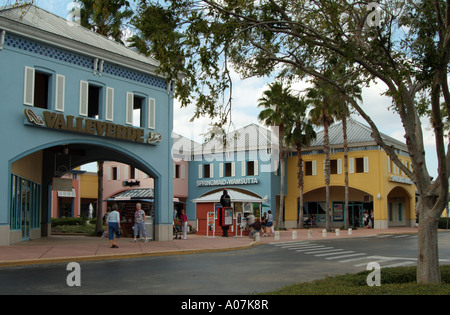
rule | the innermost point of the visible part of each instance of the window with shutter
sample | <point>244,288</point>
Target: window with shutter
<point>28,89</point>
<point>151,113</point>
<point>109,104</point>
<point>129,108</point>
<point>60,92</point>
<point>84,96</point>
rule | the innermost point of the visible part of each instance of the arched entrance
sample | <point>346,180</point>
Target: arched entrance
<point>399,207</point>
<point>314,206</point>
<point>33,173</point>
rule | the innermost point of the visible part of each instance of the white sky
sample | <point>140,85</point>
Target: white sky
<point>247,92</point>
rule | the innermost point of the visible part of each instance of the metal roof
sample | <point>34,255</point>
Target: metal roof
<point>132,194</point>
<point>235,196</point>
<point>41,25</point>
<point>250,137</point>
<point>357,134</point>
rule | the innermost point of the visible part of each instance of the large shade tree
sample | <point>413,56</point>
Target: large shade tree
<point>404,44</point>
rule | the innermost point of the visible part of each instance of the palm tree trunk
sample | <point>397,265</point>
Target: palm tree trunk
<point>300,186</point>
<point>327,176</point>
<point>99,224</point>
<point>280,215</point>
<point>344,131</point>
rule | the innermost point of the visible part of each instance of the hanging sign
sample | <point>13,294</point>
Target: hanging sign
<point>91,126</point>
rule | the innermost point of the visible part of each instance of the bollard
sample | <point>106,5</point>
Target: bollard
<point>350,231</point>
<point>309,233</point>
<point>294,234</point>
<point>338,232</point>
<point>324,233</point>
<point>277,235</point>
<point>257,237</point>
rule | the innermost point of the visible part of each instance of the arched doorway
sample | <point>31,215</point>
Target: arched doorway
<point>314,206</point>
<point>32,179</point>
<point>399,207</point>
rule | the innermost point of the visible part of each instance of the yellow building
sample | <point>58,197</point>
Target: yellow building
<point>375,182</point>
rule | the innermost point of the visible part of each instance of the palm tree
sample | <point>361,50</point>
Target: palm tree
<point>275,102</point>
<point>299,133</point>
<point>342,112</point>
<point>105,17</point>
<point>322,115</point>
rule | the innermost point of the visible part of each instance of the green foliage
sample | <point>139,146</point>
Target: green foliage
<point>68,221</point>
<point>105,17</point>
<point>444,223</point>
<point>394,281</point>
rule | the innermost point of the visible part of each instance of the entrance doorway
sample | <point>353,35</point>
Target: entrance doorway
<point>25,215</point>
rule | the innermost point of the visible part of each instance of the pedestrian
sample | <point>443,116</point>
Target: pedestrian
<point>269,221</point>
<point>113,222</point>
<point>139,223</point>
<point>372,220</point>
<point>256,227</point>
<point>263,222</point>
<point>184,223</point>
<point>366,219</point>
<point>105,221</point>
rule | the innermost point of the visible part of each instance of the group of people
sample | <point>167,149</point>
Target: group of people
<point>264,224</point>
<point>114,230</point>
<point>368,219</point>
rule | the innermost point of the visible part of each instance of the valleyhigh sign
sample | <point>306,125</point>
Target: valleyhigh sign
<point>91,126</point>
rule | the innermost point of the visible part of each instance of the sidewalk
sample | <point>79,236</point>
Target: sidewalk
<point>69,248</point>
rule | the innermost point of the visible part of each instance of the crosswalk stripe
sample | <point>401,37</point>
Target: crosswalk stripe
<point>315,250</point>
<point>330,254</point>
<point>377,260</point>
<point>325,251</point>
<point>304,247</point>
<point>399,264</point>
<point>321,250</point>
<point>297,245</point>
<point>289,243</point>
<point>345,256</point>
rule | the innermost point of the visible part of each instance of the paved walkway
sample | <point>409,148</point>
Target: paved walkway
<point>68,248</point>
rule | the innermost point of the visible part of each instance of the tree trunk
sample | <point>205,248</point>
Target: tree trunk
<point>280,216</point>
<point>300,186</point>
<point>327,176</point>
<point>428,255</point>
<point>344,131</point>
<point>99,224</point>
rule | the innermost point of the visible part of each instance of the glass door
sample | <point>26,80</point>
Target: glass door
<point>25,213</point>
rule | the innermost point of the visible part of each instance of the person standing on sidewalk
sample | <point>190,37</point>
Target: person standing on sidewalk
<point>113,222</point>
<point>184,222</point>
<point>139,223</point>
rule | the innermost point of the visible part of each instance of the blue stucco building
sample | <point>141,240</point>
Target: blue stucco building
<point>68,97</point>
<point>246,162</point>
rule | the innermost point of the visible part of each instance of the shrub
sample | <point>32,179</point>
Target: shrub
<point>68,221</point>
<point>444,223</point>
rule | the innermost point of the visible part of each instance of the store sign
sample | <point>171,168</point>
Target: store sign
<point>91,126</point>
<point>62,184</point>
<point>403,180</point>
<point>227,182</point>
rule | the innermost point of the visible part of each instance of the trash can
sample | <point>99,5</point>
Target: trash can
<point>149,227</point>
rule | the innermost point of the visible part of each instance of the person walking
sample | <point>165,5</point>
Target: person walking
<point>139,223</point>
<point>113,222</point>
<point>269,222</point>
<point>184,222</point>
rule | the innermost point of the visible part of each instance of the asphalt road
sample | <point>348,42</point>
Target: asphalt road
<point>255,270</point>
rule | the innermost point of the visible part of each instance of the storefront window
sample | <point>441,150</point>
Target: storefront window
<point>25,210</point>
